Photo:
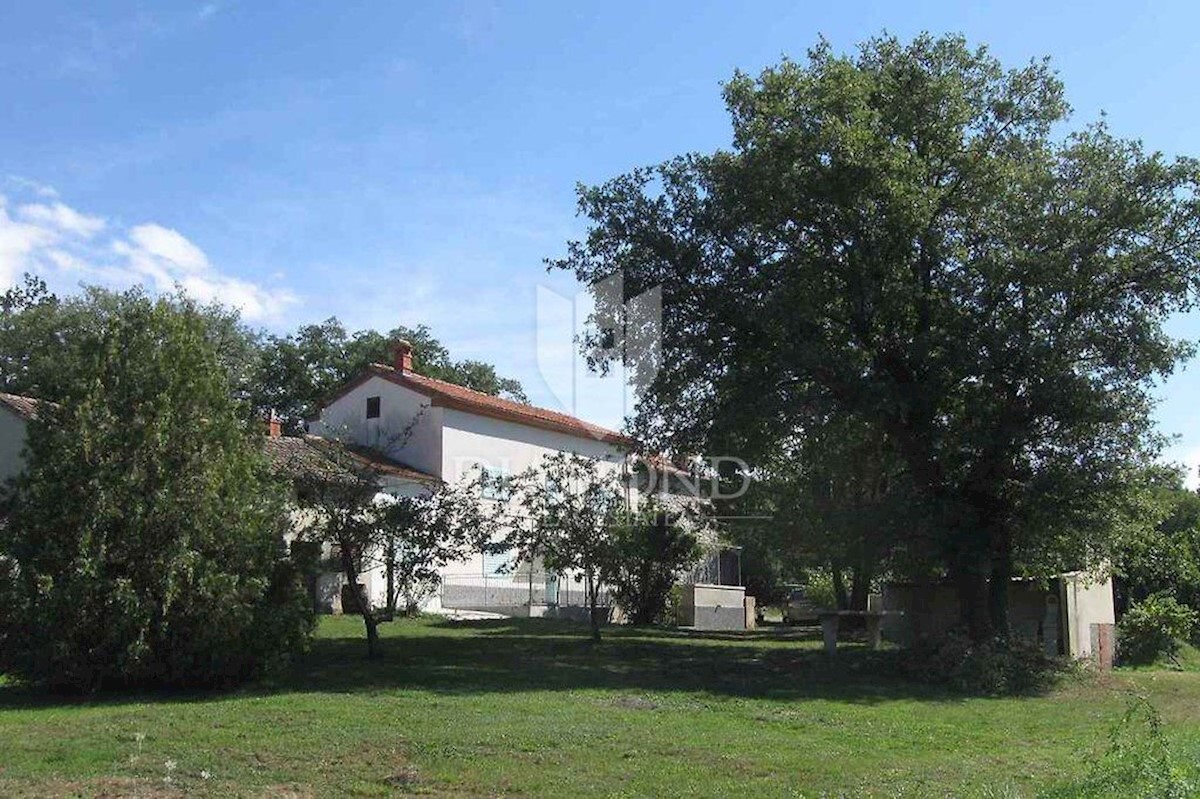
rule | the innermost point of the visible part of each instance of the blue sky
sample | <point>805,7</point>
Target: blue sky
<point>414,162</point>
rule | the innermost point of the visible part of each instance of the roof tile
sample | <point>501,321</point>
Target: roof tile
<point>451,395</point>
<point>25,407</point>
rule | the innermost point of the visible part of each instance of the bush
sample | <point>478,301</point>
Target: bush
<point>647,556</point>
<point>819,589</point>
<point>1139,762</point>
<point>1154,628</point>
<point>145,541</point>
<point>993,668</point>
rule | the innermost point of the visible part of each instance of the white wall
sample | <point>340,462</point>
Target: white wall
<point>468,439</point>
<point>450,444</point>
<point>1089,601</point>
<point>408,428</point>
<point>12,444</point>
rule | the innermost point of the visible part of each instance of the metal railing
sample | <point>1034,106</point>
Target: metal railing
<point>479,592</point>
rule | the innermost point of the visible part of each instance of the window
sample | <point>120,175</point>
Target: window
<point>495,484</point>
<point>372,407</point>
<point>495,564</point>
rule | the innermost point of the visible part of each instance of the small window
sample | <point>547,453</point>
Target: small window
<point>372,407</point>
<point>495,564</point>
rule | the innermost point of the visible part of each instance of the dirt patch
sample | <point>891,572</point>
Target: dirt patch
<point>99,788</point>
<point>634,703</point>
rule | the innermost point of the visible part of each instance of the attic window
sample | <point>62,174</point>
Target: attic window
<point>372,407</point>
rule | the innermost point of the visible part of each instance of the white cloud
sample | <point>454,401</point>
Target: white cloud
<point>170,245</point>
<point>168,259</point>
<point>55,240</point>
<point>19,242</point>
<point>62,217</point>
<point>32,186</point>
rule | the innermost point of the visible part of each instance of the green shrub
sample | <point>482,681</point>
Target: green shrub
<point>1154,628</point>
<point>144,545</point>
<point>993,668</point>
<point>819,589</point>
<point>648,554</point>
<point>1139,762</point>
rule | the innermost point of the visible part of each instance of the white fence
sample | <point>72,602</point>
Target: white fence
<point>500,592</point>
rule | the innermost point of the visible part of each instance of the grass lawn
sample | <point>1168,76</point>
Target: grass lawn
<point>528,707</point>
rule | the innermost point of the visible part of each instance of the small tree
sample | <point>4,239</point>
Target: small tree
<point>424,533</point>
<point>568,511</point>
<point>343,505</point>
<point>340,509</point>
<point>144,543</point>
<point>1154,628</point>
<point>650,552</point>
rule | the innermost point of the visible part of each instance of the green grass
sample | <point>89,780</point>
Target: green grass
<point>529,708</point>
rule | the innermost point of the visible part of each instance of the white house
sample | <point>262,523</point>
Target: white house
<point>447,432</point>
<point>15,413</point>
<point>416,431</point>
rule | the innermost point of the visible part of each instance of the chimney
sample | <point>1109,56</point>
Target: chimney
<point>402,356</point>
<point>274,426</point>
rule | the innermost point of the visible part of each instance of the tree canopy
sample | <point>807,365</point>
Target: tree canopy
<point>301,369</point>
<point>290,374</point>
<point>909,236</point>
<point>144,540</point>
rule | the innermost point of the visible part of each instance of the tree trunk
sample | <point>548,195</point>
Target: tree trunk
<point>839,588</point>
<point>360,594</point>
<point>971,585</point>
<point>860,586</point>
<point>372,625</point>
<point>593,601</point>
<point>390,566</point>
<point>1002,573</point>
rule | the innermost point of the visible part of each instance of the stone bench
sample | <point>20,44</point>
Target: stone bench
<point>831,620</point>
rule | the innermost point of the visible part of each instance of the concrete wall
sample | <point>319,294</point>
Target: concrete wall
<point>931,610</point>
<point>713,607</point>
<point>12,444</point>
<point>1088,600</point>
<point>1059,615</point>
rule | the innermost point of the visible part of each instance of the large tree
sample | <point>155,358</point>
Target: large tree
<point>909,236</point>
<point>1161,551</point>
<point>144,540</point>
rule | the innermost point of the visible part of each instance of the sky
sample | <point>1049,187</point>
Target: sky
<point>407,163</point>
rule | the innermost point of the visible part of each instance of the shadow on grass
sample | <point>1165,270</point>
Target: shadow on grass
<point>520,655</point>
<point>509,655</point>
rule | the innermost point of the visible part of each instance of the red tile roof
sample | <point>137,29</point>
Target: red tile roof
<point>25,407</point>
<point>450,395</point>
<point>313,456</point>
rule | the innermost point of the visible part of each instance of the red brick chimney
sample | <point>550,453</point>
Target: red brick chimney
<point>402,356</point>
<point>274,426</point>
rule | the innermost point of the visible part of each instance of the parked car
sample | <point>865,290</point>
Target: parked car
<point>799,609</point>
